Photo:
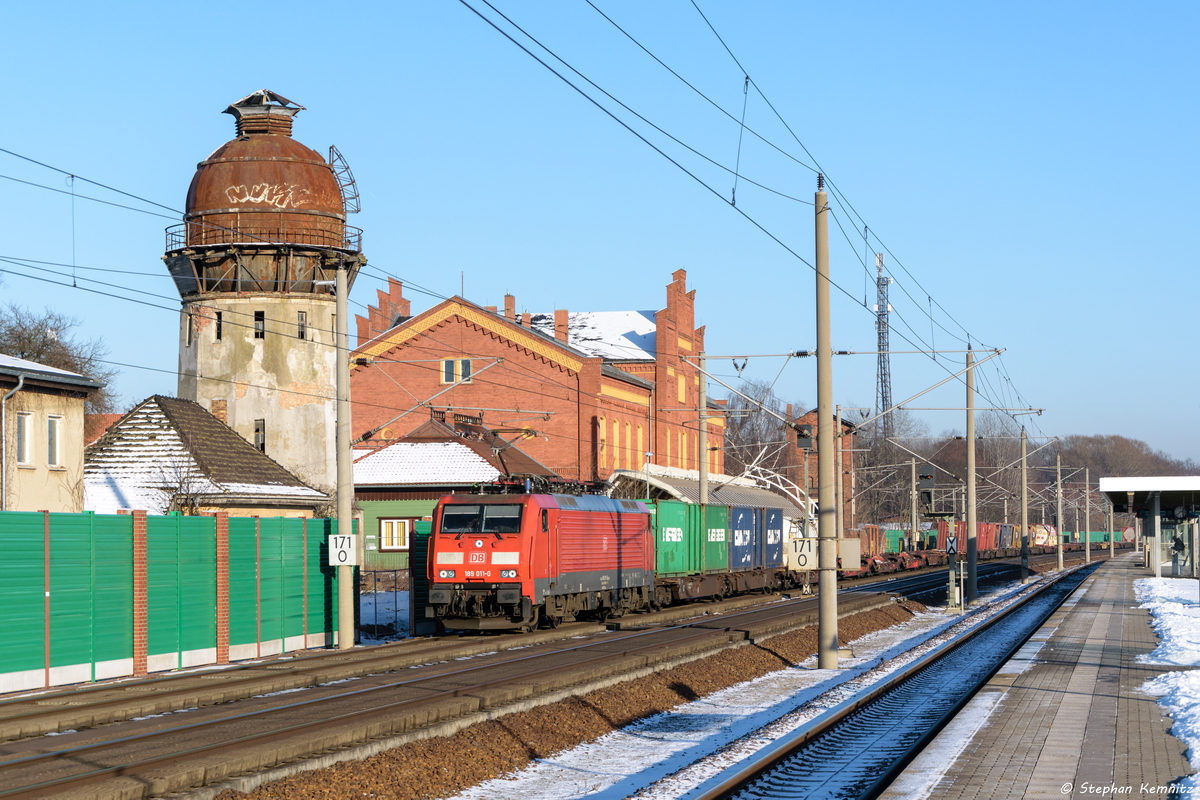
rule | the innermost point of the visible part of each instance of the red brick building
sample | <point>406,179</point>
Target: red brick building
<point>796,457</point>
<point>590,392</point>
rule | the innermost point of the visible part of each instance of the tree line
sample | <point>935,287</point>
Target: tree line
<point>885,456</point>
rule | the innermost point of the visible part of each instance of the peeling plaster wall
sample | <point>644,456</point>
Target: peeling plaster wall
<point>285,380</point>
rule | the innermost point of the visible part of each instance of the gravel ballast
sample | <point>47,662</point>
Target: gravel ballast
<point>441,767</point>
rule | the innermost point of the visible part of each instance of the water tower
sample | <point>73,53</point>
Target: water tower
<point>255,262</point>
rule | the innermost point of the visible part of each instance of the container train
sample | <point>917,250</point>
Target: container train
<point>505,562</point>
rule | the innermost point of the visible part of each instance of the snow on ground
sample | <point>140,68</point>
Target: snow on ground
<point>1174,604</point>
<point>384,608</point>
<point>1175,607</point>
<point>671,753</point>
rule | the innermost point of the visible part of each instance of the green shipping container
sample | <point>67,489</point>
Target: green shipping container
<point>894,537</point>
<point>673,555</point>
<point>689,539</point>
<point>715,538</point>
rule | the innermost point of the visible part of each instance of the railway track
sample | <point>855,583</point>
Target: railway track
<point>148,757</point>
<point>349,698</point>
<point>857,748</point>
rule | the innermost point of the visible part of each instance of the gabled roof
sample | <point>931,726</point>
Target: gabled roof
<point>528,338</point>
<point>439,454</point>
<point>613,335</point>
<point>167,446</point>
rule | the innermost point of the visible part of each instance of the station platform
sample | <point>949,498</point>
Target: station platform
<point>1064,718</point>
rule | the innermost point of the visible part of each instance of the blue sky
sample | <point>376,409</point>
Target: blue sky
<point>1029,167</point>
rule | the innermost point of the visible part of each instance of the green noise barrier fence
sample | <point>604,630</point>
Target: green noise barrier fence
<point>85,597</point>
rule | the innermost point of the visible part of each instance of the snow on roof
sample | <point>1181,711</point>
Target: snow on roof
<point>616,335</point>
<point>405,463</point>
<point>13,365</point>
<point>144,461</point>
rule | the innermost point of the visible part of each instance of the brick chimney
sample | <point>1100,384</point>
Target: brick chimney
<point>510,307</point>
<point>560,324</point>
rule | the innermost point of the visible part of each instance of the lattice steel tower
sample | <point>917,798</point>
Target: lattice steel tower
<point>883,380</point>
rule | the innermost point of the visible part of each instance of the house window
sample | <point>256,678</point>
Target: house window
<point>456,370</point>
<point>260,435</point>
<point>301,324</point>
<point>219,321</point>
<point>53,426</point>
<point>260,324</point>
<point>393,534</point>
<point>24,438</point>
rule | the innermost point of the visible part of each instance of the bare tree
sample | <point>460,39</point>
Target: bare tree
<point>883,486</point>
<point>755,435</point>
<point>47,339</point>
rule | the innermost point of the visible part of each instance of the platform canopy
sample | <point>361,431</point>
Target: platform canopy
<point>1179,496</point>
<point>684,485</point>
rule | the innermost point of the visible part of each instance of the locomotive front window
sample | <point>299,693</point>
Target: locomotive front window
<point>461,519</point>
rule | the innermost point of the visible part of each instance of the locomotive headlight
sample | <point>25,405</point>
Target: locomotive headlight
<point>446,573</point>
<point>508,573</point>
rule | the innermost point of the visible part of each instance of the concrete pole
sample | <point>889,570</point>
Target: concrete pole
<point>1132,516</point>
<point>827,623</point>
<point>345,475</point>
<point>1112,534</point>
<point>1154,550</point>
<point>838,494</point>
<point>703,440</point>
<point>912,511</point>
<point>1024,509</point>
<point>972,586</point>
<point>1059,519</point>
<point>1087,513</point>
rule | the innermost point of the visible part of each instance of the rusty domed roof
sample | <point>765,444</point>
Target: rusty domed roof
<point>263,185</point>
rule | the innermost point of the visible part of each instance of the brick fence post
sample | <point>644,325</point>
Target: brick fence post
<point>222,520</point>
<point>140,638</point>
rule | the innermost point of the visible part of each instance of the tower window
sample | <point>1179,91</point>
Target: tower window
<point>260,435</point>
<point>260,324</point>
<point>191,327</point>
<point>219,326</point>
<point>456,370</point>
<point>301,324</point>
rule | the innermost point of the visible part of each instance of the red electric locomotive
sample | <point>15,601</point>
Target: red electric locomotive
<point>506,561</point>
